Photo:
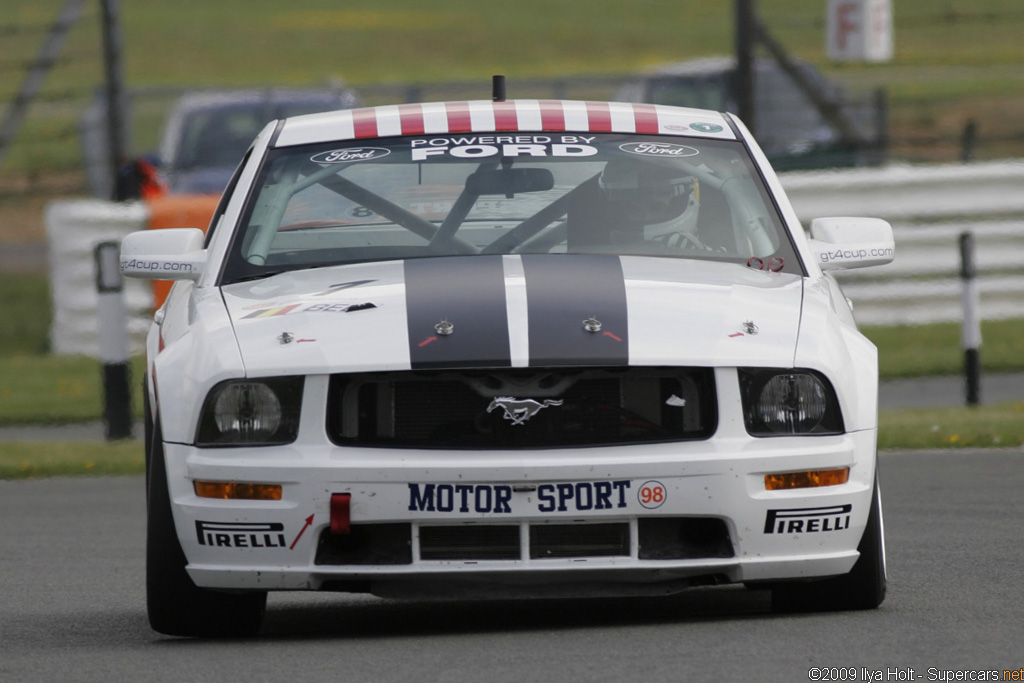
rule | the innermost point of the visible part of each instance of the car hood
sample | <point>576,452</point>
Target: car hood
<point>515,311</point>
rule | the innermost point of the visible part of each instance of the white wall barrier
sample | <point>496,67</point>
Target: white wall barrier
<point>73,229</point>
<point>910,193</point>
<point>928,206</point>
<point>923,284</point>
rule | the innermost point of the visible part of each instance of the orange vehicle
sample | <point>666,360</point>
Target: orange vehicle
<point>178,211</point>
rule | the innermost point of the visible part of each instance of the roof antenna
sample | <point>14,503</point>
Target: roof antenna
<point>498,88</point>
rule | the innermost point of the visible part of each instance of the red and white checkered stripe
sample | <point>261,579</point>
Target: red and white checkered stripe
<point>494,117</point>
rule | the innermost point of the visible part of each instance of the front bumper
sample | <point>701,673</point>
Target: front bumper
<point>617,493</point>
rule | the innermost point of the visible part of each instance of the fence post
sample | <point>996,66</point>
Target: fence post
<point>116,118</point>
<point>971,331</point>
<point>117,393</point>
<point>968,141</point>
<point>745,37</point>
<point>37,72</point>
<point>881,106</point>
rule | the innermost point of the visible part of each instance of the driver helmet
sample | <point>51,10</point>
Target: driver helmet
<point>665,202</point>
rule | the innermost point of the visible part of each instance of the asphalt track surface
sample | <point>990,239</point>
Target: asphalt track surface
<point>72,606</point>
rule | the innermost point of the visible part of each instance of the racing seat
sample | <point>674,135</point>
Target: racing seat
<point>594,224</point>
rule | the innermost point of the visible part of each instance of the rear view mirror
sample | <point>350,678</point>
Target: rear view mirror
<point>510,181</point>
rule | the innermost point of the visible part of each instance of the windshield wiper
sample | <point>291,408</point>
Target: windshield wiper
<point>272,273</point>
<point>257,276</point>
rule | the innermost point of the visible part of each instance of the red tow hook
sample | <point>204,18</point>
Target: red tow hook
<point>341,513</point>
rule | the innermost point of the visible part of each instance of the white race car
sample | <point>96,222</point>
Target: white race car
<point>507,348</point>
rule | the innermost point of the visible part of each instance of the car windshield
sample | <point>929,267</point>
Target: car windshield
<point>515,193</point>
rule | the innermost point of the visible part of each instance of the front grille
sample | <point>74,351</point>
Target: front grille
<point>366,544</point>
<point>490,542</point>
<point>683,538</point>
<point>578,540</point>
<point>659,538</point>
<point>521,408</point>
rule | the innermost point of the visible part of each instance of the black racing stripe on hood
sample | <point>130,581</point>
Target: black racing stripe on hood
<point>469,293</point>
<point>563,291</point>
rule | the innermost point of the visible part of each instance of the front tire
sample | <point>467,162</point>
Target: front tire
<point>863,588</point>
<point>176,606</point>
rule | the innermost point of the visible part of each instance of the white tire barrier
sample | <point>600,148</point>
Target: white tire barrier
<point>73,229</point>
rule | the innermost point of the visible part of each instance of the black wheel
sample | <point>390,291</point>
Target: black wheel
<point>147,418</point>
<point>177,607</point>
<point>863,588</point>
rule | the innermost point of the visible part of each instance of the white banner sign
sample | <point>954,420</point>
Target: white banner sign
<point>859,30</point>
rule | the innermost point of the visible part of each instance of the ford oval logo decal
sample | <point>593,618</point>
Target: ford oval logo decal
<point>349,154</point>
<point>659,149</point>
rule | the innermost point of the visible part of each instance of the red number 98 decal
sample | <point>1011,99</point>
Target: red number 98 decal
<point>652,494</point>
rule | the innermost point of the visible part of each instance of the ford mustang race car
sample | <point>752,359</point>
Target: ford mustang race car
<point>507,348</point>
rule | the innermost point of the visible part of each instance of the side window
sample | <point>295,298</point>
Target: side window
<point>222,205</point>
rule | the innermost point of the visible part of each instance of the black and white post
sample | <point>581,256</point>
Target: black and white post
<point>971,332</point>
<point>113,341</point>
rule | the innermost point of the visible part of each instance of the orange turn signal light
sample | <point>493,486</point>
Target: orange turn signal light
<point>237,491</point>
<point>806,480</point>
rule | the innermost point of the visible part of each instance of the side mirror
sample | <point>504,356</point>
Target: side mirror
<point>167,254</point>
<point>846,242</point>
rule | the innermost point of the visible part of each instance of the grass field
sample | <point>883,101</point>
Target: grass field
<point>954,59</point>
<point>920,350</point>
<point>64,459</point>
<point>256,42</point>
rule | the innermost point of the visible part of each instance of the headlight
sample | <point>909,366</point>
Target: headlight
<point>782,402</point>
<point>251,412</point>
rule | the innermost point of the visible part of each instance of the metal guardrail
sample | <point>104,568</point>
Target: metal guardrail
<point>922,284</point>
<point>930,207</point>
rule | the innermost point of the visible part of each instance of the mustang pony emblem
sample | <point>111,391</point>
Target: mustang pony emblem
<point>519,410</point>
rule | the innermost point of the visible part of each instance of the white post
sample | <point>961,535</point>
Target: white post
<point>113,338</point>
<point>971,333</point>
